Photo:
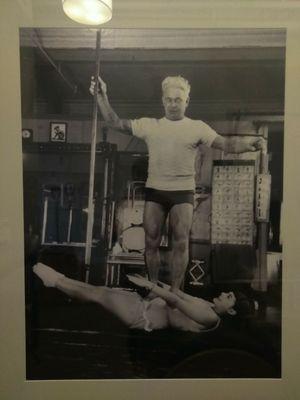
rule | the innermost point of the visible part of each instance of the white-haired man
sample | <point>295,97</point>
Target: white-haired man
<point>172,143</point>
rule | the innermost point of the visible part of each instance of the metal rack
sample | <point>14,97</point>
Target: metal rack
<point>114,264</point>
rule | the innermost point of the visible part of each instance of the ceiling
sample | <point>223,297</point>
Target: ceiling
<point>233,72</point>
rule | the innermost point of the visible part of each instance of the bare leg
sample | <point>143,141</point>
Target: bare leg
<point>181,216</point>
<point>154,219</point>
<point>123,304</point>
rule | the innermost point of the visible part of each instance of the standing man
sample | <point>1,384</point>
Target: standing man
<point>172,143</point>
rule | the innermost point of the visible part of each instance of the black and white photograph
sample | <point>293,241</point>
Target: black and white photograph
<point>58,132</point>
<point>153,195</point>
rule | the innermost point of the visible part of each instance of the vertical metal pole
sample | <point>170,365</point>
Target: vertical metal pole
<point>105,202</point>
<point>111,225</point>
<point>90,216</point>
<point>263,226</point>
<point>70,225</point>
<point>45,219</point>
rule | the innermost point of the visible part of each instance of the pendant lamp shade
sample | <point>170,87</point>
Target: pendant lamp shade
<point>88,12</point>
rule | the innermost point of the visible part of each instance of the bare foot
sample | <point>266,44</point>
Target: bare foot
<point>48,275</point>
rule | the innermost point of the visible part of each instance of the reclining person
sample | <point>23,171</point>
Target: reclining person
<point>168,310</point>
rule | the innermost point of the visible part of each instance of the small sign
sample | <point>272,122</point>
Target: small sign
<point>58,132</point>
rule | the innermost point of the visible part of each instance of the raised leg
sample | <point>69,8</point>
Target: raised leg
<point>154,219</point>
<point>181,216</point>
<point>123,304</point>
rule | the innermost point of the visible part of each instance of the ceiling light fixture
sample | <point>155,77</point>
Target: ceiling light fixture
<point>88,12</point>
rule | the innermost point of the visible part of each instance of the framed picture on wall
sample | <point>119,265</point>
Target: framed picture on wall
<point>219,258</point>
<point>73,347</point>
<point>58,132</point>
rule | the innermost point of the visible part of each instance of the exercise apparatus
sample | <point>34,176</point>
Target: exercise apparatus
<point>89,211</point>
<point>240,215</point>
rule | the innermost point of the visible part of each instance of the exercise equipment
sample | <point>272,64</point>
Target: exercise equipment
<point>263,207</point>
<point>130,219</point>
<point>233,202</point>
<point>130,245</point>
<point>240,214</point>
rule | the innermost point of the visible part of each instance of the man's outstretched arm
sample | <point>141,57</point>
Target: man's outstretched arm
<point>110,116</point>
<point>238,144</point>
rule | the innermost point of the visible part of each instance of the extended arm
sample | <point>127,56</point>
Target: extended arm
<point>110,117</point>
<point>179,292</point>
<point>238,144</point>
<point>192,307</point>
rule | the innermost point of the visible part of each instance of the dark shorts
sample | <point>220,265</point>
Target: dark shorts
<point>169,198</point>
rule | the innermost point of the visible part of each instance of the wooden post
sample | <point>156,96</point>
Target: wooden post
<point>90,215</point>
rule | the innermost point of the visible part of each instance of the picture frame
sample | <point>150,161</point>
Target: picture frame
<point>58,132</point>
<point>228,242</point>
<point>13,379</point>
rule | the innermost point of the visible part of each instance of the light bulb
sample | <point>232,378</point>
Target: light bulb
<point>88,12</point>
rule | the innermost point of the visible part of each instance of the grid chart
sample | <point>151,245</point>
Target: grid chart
<point>233,202</point>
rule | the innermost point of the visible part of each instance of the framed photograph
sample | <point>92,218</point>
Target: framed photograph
<point>242,67</point>
<point>58,132</point>
<point>220,222</point>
